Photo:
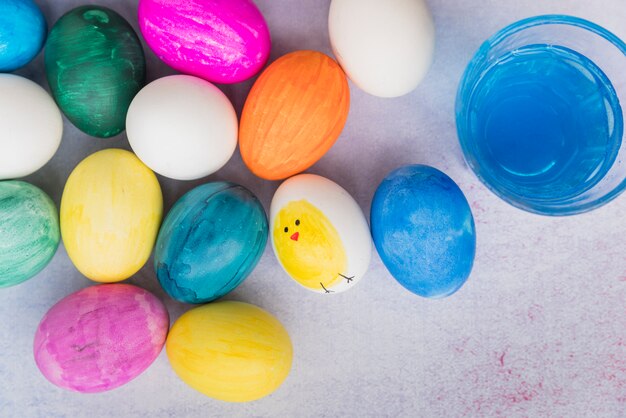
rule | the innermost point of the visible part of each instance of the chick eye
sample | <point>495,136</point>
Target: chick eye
<point>297,222</point>
<point>286,229</point>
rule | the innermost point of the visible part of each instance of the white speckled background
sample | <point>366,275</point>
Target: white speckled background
<point>538,330</point>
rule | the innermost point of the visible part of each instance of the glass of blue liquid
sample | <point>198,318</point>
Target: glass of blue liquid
<point>539,117</point>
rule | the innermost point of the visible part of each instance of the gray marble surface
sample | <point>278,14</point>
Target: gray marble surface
<point>538,330</point>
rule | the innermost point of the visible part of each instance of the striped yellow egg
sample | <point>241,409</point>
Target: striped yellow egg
<point>110,214</point>
<point>231,351</point>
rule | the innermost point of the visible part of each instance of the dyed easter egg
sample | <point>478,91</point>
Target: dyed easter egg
<point>32,127</point>
<point>210,242</point>
<point>29,231</point>
<point>101,337</point>
<point>319,234</point>
<point>424,230</point>
<point>23,31</point>
<point>385,47</point>
<point>95,66</point>
<point>293,115</point>
<point>230,351</point>
<point>223,41</point>
<point>182,127</point>
<point>110,214</point>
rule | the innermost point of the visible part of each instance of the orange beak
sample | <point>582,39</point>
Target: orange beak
<point>295,236</point>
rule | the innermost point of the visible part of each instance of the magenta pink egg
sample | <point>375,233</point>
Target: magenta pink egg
<point>223,41</point>
<point>100,337</point>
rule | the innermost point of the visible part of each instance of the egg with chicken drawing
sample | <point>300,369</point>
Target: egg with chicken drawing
<point>319,234</point>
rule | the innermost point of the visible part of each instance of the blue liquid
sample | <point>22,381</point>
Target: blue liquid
<point>546,124</point>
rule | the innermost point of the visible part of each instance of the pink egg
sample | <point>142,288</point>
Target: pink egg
<point>223,41</point>
<point>100,337</point>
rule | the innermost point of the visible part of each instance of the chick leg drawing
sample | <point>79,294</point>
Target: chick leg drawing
<point>349,279</point>
<point>326,290</point>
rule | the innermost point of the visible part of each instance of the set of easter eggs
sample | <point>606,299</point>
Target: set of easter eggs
<point>183,127</point>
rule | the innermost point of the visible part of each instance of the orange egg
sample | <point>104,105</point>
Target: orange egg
<point>293,114</point>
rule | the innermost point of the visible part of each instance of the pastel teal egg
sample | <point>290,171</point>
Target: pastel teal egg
<point>29,231</point>
<point>423,229</point>
<point>210,241</point>
<point>22,33</point>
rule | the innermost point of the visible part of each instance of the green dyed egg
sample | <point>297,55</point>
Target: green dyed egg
<point>95,66</point>
<point>29,231</point>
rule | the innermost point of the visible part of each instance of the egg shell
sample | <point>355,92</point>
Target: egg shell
<point>209,242</point>
<point>385,47</point>
<point>101,337</point>
<point>182,127</point>
<point>29,231</point>
<point>95,65</point>
<point>424,231</point>
<point>223,41</point>
<point>332,234</point>
<point>23,30</point>
<point>230,351</point>
<point>293,115</point>
<point>32,127</point>
<point>110,214</point>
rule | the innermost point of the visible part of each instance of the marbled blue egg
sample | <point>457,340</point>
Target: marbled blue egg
<point>423,230</point>
<point>210,241</point>
<point>23,32</point>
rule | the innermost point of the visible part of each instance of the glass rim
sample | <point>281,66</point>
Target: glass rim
<point>530,205</point>
<point>550,19</point>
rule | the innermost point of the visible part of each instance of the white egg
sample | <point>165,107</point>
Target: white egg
<point>319,234</point>
<point>32,127</point>
<point>182,127</point>
<point>385,46</point>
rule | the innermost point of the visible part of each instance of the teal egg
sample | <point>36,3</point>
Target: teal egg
<point>209,242</point>
<point>29,231</point>
<point>95,66</point>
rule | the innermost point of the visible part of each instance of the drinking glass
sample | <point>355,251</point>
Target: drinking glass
<point>539,115</point>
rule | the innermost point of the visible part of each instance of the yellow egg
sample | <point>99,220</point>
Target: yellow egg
<point>110,213</point>
<point>231,351</point>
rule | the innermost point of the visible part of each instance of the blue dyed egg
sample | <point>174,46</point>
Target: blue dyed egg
<point>210,241</point>
<point>23,32</point>
<point>423,230</point>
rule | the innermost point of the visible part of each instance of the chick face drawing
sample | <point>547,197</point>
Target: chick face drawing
<point>309,246</point>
